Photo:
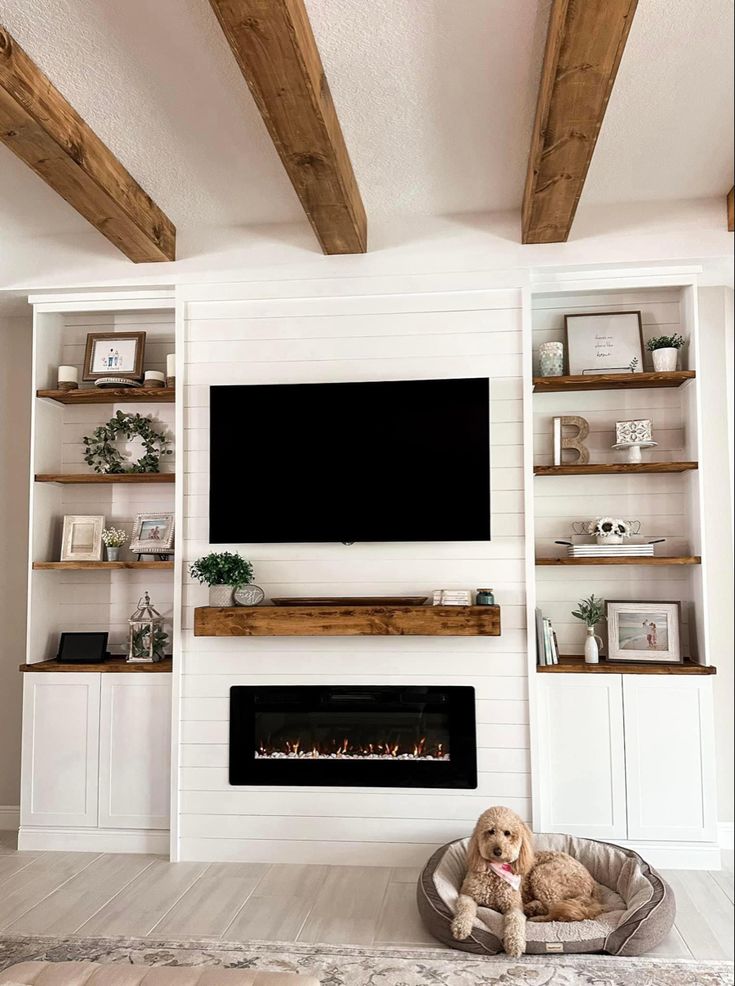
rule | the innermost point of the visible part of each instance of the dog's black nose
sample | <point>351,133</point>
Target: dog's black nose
<point>497,852</point>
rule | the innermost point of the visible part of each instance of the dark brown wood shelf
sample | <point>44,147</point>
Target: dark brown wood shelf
<point>91,566</point>
<point>576,665</point>
<point>614,468</point>
<point>611,381</point>
<point>623,560</point>
<point>94,395</point>
<point>347,621</point>
<point>96,479</point>
<point>113,665</point>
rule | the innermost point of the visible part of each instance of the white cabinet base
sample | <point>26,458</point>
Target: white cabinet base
<point>92,840</point>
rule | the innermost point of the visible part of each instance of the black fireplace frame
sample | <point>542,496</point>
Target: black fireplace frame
<point>459,772</point>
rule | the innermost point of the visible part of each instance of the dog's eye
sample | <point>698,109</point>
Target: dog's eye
<point>491,832</point>
<point>507,834</point>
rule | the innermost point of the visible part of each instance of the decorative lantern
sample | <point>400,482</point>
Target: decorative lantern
<point>146,638</point>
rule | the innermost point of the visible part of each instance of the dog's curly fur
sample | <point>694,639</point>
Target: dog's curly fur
<point>554,886</point>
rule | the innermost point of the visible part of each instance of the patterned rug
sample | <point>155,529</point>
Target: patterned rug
<point>349,965</point>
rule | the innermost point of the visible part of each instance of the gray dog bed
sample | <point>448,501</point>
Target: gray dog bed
<point>639,905</point>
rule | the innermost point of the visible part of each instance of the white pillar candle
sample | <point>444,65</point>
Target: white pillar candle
<point>171,365</point>
<point>68,377</point>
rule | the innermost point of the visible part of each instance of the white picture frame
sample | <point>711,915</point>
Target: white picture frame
<point>153,534</point>
<point>643,632</point>
<point>81,538</point>
<point>604,342</point>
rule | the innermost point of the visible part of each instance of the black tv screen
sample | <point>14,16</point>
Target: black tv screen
<point>345,462</point>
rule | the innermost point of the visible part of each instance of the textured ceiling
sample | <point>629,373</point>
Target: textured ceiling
<point>436,99</point>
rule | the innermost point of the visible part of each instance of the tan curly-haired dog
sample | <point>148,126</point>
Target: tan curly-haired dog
<point>504,873</point>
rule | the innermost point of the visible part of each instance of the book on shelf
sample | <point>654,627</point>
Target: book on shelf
<point>547,648</point>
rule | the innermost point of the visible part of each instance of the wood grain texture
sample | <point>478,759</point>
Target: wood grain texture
<point>731,210</point>
<point>584,46</point>
<point>274,46</point>
<point>611,381</point>
<point>617,560</point>
<point>91,566</point>
<point>154,478</point>
<point>42,129</point>
<point>340,621</point>
<point>614,468</point>
<point>113,665</point>
<point>118,395</point>
<point>576,665</point>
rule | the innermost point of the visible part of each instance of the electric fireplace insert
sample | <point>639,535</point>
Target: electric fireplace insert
<point>353,735</point>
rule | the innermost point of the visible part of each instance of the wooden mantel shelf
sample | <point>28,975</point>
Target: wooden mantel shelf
<point>91,566</point>
<point>576,665</point>
<point>347,621</point>
<point>94,478</point>
<point>113,665</point>
<point>656,560</point>
<point>127,395</point>
<point>611,381</point>
<point>614,468</point>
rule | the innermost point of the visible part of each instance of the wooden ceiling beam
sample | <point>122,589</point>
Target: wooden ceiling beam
<point>584,45</point>
<point>731,210</point>
<point>274,46</point>
<point>42,129</point>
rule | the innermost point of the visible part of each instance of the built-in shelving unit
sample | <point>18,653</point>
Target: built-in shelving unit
<point>611,381</point>
<point>93,479</point>
<point>654,560</point>
<point>118,395</point>
<point>577,665</point>
<point>615,469</point>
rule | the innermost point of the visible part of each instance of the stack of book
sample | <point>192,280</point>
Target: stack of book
<point>610,550</point>
<point>452,597</point>
<point>547,648</point>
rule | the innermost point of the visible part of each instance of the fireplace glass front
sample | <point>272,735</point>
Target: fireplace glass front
<point>356,736</point>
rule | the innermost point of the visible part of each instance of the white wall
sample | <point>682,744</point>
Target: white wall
<point>15,417</point>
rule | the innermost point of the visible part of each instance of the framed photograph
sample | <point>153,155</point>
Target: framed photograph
<point>643,632</point>
<point>114,354</point>
<point>605,342</point>
<point>153,534</point>
<point>81,539</point>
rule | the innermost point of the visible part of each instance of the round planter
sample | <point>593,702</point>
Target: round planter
<point>551,359</point>
<point>113,554</point>
<point>221,595</point>
<point>665,360</point>
<point>609,538</point>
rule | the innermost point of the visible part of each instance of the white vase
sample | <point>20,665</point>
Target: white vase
<point>664,360</point>
<point>221,595</point>
<point>591,647</point>
<point>551,359</point>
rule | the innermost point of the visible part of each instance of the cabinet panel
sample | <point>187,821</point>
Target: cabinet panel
<point>60,749</point>
<point>670,758</point>
<point>135,751</point>
<point>582,781</point>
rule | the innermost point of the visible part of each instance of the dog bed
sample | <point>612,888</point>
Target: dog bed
<point>639,905</point>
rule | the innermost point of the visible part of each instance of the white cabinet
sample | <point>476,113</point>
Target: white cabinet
<point>627,756</point>
<point>582,755</point>
<point>96,758</point>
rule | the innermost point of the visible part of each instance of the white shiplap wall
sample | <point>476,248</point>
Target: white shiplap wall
<point>337,330</point>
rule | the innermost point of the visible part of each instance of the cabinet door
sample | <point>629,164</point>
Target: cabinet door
<point>60,749</point>
<point>135,751</point>
<point>582,780</point>
<point>670,761</point>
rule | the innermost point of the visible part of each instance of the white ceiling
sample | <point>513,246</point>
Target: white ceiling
<point>436,99</point>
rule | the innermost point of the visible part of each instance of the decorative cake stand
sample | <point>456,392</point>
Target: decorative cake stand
<point>633,449</point>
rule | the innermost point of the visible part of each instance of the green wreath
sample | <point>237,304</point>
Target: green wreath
<point>101,454</point>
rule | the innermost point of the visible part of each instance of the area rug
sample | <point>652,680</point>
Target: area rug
<point>350,965</point>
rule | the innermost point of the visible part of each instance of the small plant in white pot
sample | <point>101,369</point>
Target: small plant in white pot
<point>591,611</point>
<point>223,572</point>
<point>113,539</point>
<point>664,351</point>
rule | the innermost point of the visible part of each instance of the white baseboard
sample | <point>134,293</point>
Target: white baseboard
<point>93,840</point>
<point>677,855</point>
<point>9,818</point>
<point>726,835</point>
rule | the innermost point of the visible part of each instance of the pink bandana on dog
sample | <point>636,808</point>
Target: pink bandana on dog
<point>504,871</point>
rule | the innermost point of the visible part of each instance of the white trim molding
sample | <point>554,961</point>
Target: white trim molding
<point>9,818</point>
<point>677,855</point>
<point>94,840</point>
<point>725,835</point>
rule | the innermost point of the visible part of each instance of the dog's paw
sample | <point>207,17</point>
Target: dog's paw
<point>461,929</point>
<point>513,947</point>
<point>533,907</point>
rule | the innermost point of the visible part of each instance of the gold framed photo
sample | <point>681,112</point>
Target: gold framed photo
<point>114,354</point>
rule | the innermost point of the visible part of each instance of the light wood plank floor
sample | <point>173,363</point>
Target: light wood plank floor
<point>136,895</point>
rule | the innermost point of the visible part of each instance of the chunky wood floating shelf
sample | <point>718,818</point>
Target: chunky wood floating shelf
<point>576,665</point>
<point>129,395</point>
<point>614,468</point>
<point>624,560</point>
<point>94,479</point>
<point>91,566</point>
<point>344,621</point>
<point>611,381</point>
<point>113,665</point>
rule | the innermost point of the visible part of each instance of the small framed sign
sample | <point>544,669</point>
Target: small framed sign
<point>605,342</point>
<point>82,537</point>
<point>646,632</point>
<point>153,534</point>
<point>114,354</point>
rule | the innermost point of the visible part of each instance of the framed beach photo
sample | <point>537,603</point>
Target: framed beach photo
<point>643,632</point>
<point>604,342</point>
<point>153,534</point>
<point>114,354</point>
<point>81,539</point>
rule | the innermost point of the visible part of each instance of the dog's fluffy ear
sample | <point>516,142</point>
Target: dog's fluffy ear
<point>475,861</point>
<point>526,857</point>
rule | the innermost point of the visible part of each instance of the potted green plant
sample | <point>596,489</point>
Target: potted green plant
<point>664,351</point>
<point>223,572</point>
<point>590,612</point>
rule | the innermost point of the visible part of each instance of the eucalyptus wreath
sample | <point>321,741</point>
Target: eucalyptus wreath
<point>104,457</point>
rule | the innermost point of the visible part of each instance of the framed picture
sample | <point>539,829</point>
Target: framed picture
<point>153,534</point>
<point>605,342</point>
<point>114,354</point>
<point>643,632</point>
<point>81,539</point>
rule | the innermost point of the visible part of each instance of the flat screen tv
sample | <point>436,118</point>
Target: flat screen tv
<point>345,462</point>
